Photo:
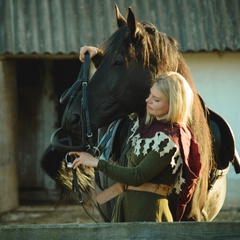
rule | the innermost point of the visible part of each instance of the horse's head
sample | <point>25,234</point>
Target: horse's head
<point>132,57</point>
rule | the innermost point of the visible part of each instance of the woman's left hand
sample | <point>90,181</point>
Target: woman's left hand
<point>90,49</point>
<point>84,158</point>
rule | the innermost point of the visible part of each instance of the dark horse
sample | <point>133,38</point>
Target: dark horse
<point>129,60</point>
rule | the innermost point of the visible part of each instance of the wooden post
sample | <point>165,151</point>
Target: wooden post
<point>8,136</point>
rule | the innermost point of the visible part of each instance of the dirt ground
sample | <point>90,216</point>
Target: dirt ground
<point>48,214</point>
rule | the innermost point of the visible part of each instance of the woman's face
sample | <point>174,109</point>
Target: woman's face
<point>157,104</point>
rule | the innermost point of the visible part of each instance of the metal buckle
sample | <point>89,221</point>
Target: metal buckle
<point>89,135</point>
<point>69,159</point>
<point>84,84</point>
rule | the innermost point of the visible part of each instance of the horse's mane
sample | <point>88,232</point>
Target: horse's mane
<point>154,49</point>
<point>159,52</point>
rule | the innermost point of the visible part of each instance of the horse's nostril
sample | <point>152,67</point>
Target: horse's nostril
<point>75,119</point>
<point>73,122</point>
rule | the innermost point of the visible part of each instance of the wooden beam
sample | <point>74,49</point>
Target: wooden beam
<point>38,56</point>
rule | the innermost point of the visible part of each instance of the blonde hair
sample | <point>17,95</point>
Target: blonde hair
<point>179,95</point>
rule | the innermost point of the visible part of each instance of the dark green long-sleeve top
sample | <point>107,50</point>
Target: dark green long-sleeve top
<point>154,157</point>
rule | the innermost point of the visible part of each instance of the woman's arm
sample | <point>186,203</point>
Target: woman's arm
<point>151,165</point>
<point>149,168</point>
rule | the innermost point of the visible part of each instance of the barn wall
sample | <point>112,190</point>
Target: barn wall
<point>37,117</point>
<point>8,135</point>
<point>217,79</point>
<point>40,84</point>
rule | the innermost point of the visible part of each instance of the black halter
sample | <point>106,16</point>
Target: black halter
<point>70,94</point>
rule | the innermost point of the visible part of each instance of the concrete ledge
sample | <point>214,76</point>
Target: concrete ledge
<point>183,230</point>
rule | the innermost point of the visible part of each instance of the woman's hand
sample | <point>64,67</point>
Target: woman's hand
<point>84,158</point>
<point>90,49</point>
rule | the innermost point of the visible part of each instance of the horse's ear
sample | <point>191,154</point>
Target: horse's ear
<point>132,23</point>
<point>121,21</point>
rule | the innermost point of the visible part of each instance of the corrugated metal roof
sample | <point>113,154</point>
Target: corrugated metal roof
<point>62,26</point>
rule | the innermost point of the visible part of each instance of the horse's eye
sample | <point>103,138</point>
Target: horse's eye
<point>118,61</point>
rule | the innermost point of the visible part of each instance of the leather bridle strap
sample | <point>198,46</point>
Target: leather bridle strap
<point>69,95</point>
<point>86,126</point>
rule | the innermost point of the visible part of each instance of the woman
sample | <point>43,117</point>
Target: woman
<point>163,156</point>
